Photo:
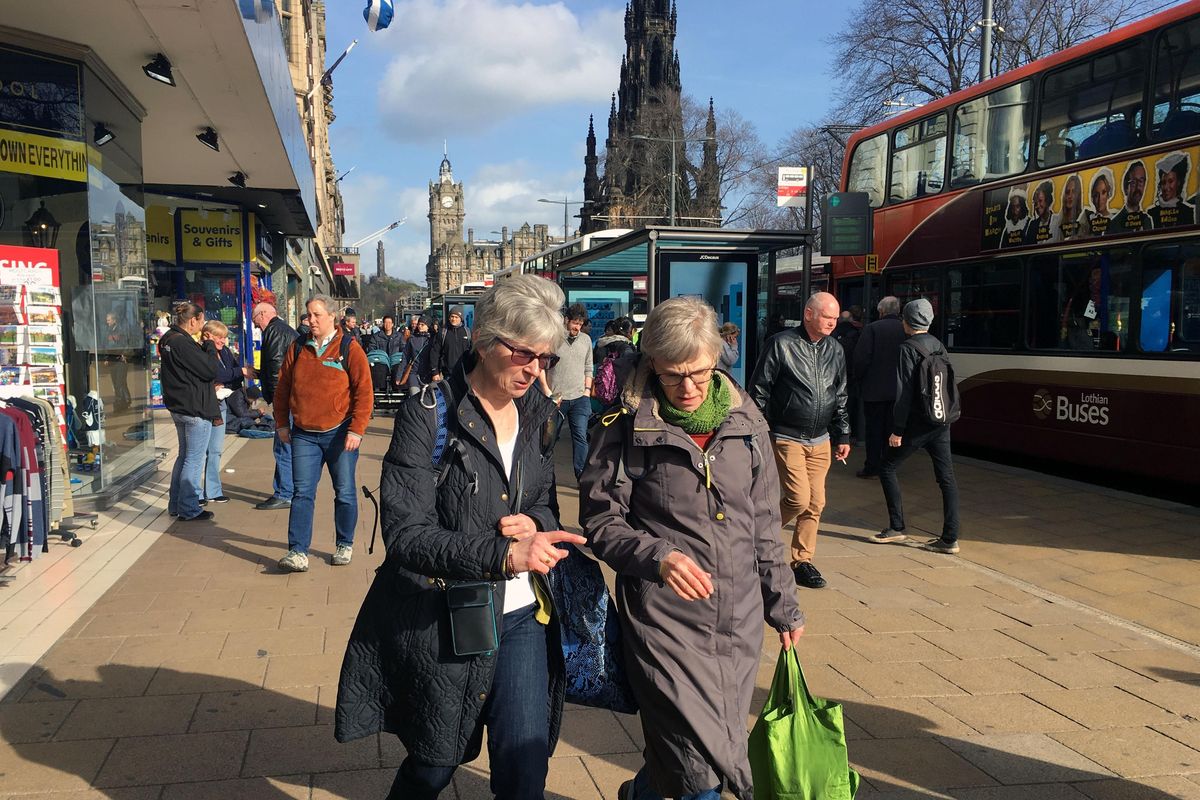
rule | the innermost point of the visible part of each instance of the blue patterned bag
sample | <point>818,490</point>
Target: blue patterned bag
<point>591,635</point>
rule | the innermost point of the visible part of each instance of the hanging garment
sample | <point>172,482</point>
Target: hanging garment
<point>91,413</point>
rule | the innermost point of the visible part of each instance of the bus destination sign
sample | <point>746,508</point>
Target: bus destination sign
<point>1149,193</point>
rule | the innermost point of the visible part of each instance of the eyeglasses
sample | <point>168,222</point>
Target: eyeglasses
<point>698,378</point>
<point>521,357</point>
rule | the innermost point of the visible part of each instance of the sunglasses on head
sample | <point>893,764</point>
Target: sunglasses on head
<point>521,357</point>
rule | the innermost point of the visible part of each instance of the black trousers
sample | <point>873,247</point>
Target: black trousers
<point>879,425</point>
<point>936,442</point>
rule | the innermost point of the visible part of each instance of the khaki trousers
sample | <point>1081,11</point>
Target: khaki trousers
<point>802,471</point>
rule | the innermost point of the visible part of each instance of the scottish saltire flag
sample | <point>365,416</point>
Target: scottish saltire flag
<point>378,14</point>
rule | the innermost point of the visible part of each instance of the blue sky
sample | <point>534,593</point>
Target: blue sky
<point>510,85</point>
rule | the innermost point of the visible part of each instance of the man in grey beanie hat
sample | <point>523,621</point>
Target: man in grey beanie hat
<point>911,431</point>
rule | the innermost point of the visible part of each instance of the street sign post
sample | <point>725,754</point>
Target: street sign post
<point>793,187</point>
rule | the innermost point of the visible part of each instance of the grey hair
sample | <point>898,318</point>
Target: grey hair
<point>888,306</point>
<point>523,309</point>
<point>681,329</point>
<point>330,304</point>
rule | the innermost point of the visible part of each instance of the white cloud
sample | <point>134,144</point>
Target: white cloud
<point>467,64</point>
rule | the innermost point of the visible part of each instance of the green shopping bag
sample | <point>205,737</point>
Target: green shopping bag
<point>798,745</point>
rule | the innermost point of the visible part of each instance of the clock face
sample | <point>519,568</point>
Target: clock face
<point>447,201</point>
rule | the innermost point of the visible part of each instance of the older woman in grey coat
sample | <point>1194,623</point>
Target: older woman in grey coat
<point>681,498</point>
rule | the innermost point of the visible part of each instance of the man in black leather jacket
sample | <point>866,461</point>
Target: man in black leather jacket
<point>800,385</point>
<point>277,337</point>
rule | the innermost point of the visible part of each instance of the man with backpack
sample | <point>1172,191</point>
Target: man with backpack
<point>450,344</point>
<point>926,405</point>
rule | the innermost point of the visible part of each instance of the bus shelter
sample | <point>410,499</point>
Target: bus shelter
<point>442,304</point>
<point>731,270</point>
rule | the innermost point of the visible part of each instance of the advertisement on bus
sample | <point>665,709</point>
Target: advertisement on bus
<point>1152,192</point>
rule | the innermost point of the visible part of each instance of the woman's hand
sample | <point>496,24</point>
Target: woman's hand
<point>517,526</point>
<point>538,553</point>
<point>789,638</point>
<point>685,577</point>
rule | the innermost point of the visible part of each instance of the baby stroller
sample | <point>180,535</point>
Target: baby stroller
<point>384,369</point>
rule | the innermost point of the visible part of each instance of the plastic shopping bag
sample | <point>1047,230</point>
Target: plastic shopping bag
<point>798,745</point>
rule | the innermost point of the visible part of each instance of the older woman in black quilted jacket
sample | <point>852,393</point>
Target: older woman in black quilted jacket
<point>485,515</point>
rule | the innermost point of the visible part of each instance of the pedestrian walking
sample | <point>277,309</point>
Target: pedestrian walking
<point>875,359</point>
<point>187,375</point>
<point>277,339</point>
<point>418,359</point>
<point>569,383</point>
<point>450,344</point>
<point>325,391</point>
<point>214,339</point>
<point>800,384</point>
<point>912,430</point>
<point>730,350</point>
<point>483,528</point>
<point>679,497</point>
<point>847,333</point>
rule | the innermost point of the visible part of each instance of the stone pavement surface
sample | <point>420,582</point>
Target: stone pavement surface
<point>1054,659</point>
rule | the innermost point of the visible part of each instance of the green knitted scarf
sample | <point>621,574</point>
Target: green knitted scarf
<point>705,419</point>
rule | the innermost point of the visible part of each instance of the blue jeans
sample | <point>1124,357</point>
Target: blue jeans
<point>643,791</point>
<point>192,434</point>
<point>282,487</point>
<point>577,412</point>
<point>309,452</point>
<point>517,718</point>
<point>212,457</point>
<point>936,442</point>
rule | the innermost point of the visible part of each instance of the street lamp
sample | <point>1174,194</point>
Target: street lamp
<point>566,204</point>
<point>673,141</point>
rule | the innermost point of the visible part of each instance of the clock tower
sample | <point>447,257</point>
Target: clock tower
<point>447,211</point>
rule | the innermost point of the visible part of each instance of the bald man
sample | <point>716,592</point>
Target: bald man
<point>277,338</point>
<point>800,385</point>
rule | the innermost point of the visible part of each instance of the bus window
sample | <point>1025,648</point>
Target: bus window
<point>983,305</point>
<point>1093,107</point>
<point>918,159</point>
<point>916,283</point>
<point>1177,83</point>
<point>991,136</point>
<point>1081,301</point>
<point>868,168</point>
<point>1170,319</point>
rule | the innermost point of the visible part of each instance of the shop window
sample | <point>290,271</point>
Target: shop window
<point>983,305</point>
<point>868,168</point>
<point>1170,302</point>
<point>1081,301</point>
<point>1094,107</point>
<point>918,159</point>
<point>991,136</point>
<point>1177,83</point>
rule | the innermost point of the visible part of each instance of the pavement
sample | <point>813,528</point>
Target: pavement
<point>1055,658</point>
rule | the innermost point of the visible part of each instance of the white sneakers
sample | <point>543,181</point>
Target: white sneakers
<point>342,555</point>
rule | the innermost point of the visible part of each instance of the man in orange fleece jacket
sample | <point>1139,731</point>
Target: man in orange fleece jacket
<point>328,399</point>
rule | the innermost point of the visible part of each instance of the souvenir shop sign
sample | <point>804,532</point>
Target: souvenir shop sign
<point>160,234</point>
<point>1150,193</point>
<point>28,266</point>
<point>214,237</point>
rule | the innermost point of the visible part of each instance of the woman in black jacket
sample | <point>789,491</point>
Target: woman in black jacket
<point>187,374</point>
<point>214,338</point>
<point>484,515</point>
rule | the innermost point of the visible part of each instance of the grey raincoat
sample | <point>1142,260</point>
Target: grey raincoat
<point>648,490</point>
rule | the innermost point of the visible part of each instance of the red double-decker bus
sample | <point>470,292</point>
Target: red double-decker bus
<point>1050,216</point>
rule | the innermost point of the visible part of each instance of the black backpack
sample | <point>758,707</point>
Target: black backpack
<point>937,387</point>
<point>343,350</point>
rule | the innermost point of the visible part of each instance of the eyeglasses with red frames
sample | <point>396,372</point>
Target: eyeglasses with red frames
<point>521,357</point>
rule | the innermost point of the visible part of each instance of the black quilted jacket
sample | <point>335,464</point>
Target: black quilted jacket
<point>400,673</point>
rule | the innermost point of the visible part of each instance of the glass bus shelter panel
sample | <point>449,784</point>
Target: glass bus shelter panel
<point>1081,301</point>
<point>728,285</point>
<point>991,136</point>
<point>1094,107</point>
<point>1170,302</point>
<point>605,300</point>
<point>1177,83</point>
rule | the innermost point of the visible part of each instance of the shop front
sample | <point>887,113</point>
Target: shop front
<point>73,266</point>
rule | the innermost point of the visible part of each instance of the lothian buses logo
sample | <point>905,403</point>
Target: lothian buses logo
<point>1043,404</point>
